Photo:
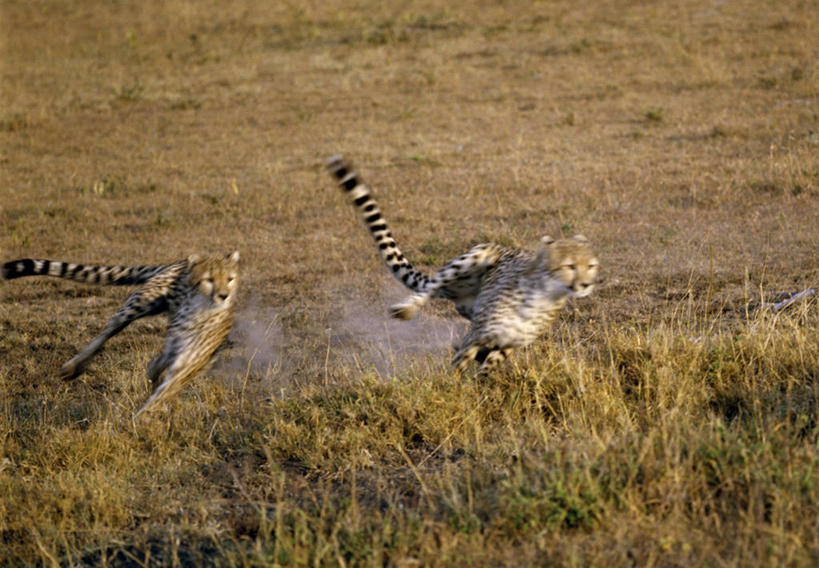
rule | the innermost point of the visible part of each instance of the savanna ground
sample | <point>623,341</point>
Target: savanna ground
<point>667,420</point>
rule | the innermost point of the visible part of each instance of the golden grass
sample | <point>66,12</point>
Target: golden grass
<point>667,420</point>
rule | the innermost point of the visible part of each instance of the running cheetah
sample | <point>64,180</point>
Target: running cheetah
<point>198,294</point>
<point>510,295</point>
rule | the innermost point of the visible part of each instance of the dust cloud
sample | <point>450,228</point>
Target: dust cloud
<point>264,350</point>
<point>366,336</point>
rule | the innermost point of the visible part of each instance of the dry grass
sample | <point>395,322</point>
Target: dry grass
<point>665,421</point>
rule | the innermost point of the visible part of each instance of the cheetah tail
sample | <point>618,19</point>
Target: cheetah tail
<point>105,275</point>
<point>350,182</point>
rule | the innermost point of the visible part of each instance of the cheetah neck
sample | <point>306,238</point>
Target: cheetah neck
<point>546,286</point>
<point>541,297</point>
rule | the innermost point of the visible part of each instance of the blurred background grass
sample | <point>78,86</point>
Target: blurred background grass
<point>664,421</point>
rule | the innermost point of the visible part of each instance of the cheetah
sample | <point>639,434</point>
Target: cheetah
<point>509,295</point>
<point>522,294</point>
<point>197,293</point>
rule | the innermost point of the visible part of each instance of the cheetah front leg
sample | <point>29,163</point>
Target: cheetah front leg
<point>180,369</point>
<point>136,306</point>
<point>489,358</point>
<point>181,359</point>
<point>464,355</point>
<point>162,361</point>
<point>470,349</point>
<point>493,360</point>
<point>188,349</point>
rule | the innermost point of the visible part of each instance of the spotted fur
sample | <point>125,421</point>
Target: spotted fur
<point>197,293</point>
<point>510,295</point>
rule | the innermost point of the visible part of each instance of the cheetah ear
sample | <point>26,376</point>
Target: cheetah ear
<point>580,239</point>
<point>542,256</point>
<point>193,259</point>
<point>233,257</point>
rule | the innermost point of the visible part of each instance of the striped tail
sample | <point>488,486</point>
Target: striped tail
<point>363,200</point>
<point>105,275</point>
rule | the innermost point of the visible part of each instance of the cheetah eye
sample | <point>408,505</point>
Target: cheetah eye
<point>571,267</point>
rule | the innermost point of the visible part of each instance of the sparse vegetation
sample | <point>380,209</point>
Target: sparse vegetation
<point>654,114</point>
<point>667,420</point>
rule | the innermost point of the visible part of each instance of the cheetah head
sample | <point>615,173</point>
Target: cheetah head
<point>570,261</point>
<point>215,277</point>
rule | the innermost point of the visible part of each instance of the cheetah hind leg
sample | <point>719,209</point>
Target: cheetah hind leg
<point>409,308</point>
<point>464,267</point>
<point>76,364</point>
<point>135,307</point>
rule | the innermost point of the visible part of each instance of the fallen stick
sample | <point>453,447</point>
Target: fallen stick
<point>790,299</point>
